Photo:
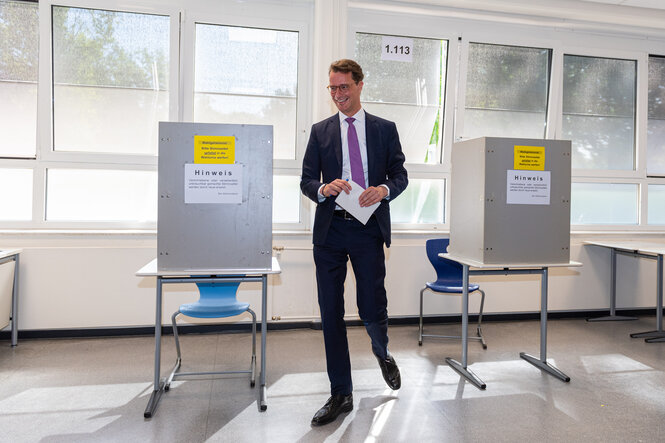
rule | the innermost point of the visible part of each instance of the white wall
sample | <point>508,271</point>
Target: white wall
<point>86,280</point>
<point>73,281</point>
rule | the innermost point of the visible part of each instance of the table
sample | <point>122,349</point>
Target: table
<point>504,269</point>
<point>206,276</point>
<point>640,249</point>
<point>7,255</point>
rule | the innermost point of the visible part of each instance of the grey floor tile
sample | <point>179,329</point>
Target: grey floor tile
<point>95,390</point>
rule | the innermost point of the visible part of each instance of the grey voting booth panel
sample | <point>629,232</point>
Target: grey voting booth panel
<point>499,210</point>
<point>215,234</point>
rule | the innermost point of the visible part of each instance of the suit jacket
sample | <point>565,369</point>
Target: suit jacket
<point>323,164</point>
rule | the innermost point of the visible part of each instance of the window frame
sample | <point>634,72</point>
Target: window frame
<point>644,195</point>
<point>646,111</point>
<point>37,10</point>
<point>45,88</point>
<point>371,22</point>
<point>461,105</point>
<point>638,175</point>
<point>290,167</point>
<point>640,114</point>
<point>46,157</point>
<point>435,22</point>
<point>607,47</point>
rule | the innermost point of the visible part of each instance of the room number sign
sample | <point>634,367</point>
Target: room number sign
<point>398,49</point>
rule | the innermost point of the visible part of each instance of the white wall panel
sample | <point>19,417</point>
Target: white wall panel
<point>68,284</point>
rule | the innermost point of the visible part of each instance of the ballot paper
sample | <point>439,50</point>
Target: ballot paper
<point>352,205</point>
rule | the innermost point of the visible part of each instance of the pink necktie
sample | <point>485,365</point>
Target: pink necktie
<point>356,161</point>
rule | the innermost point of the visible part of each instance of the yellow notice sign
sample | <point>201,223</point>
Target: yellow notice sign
<point>215,149</point>
<point>530,158</point>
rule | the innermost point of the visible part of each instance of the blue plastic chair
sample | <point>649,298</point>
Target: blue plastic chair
<point>448,281</point>
<point>216,300</point>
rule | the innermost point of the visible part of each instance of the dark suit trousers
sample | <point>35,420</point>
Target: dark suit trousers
<point>363,244</point>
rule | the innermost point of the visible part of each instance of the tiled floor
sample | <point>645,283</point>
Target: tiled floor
<point>95,390</point>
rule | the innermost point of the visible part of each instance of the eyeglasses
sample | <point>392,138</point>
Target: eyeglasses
<point>342,88</point>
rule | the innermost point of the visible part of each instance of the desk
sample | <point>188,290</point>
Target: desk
<point>206,276</point>
<point>7,255</point>
<point>504,269</point>
<point>640,249</point>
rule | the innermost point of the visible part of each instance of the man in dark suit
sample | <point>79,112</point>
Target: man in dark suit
<point>351,146</point>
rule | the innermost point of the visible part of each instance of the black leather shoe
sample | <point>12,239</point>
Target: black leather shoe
<point>335,405</point>
<point>390,372</point>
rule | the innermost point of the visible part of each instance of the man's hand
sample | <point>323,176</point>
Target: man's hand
<point>371,195</point>
<point>335,187</point>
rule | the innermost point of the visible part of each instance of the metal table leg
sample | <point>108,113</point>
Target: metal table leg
<point>613,294</point>
<point>15,303</point>
<point>264,328</point>
<point>158,386</point>
<point>542,363</point>
<point>657,336</point>
<point>462,368</point>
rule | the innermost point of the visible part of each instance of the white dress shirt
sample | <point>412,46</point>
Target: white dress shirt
<point>359,124</point>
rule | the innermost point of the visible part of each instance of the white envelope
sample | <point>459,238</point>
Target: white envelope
<point>352,205</point>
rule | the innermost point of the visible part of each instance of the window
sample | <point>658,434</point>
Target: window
<point>604,203</point>
<point>19,49</point>
<point>286,199</point>
<point>656,124</point>
<point>111,76</point>
<point>101,195</point>
<point>599,111</point>
<point>83,154</point>
<point>110,80</point>
<point>405,83</point>
<point>17,204</point>
<point>423,202</point>
<point>248,75</point>
<point>506,91</point>
<point>656,197</point>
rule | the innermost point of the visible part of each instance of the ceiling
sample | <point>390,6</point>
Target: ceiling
<point>642,17</point>
<point>654,4</point>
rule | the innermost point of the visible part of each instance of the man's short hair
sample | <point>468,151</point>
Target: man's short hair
<point>346,65</point>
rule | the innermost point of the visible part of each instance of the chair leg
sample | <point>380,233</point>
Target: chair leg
<point>178,360</point>
<point>252,380</point>
<point>420,327</point>
<point>480,319</point>
<point>479,337</point>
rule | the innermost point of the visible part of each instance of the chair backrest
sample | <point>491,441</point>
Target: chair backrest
<point>447,271</point>
<point>218,294</point>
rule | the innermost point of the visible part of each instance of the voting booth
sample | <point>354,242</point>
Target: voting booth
<point>510,200</point>
<point>215,197</point>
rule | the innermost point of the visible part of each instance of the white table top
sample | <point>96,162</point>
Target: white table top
<point>481,265</point>
<point>9,252</point>
<point>150,270</point>
<point>643,246</point>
